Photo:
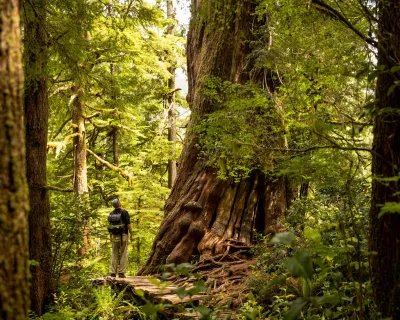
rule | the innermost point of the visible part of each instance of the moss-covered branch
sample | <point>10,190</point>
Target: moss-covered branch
<point>54,188</point>
<point>122,172</point>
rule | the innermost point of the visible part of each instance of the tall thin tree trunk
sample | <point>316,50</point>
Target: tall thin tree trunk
<point>14,201</point>
<point>114,132</point>
<point>80,165</point>
<point>203,213</point>
<point>171,102</point>
<point>384,234</point>
<point>115,146</point>
<point>36,121</point>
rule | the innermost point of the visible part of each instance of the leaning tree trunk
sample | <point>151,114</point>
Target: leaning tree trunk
<point>385,235</point>
<point>203,213</point>
<point>36,121</point>
<point>14,202</point>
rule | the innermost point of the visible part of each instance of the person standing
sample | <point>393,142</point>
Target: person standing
<point>119,225</point>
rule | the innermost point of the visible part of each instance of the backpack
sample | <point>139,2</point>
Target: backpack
<point>115,223</point>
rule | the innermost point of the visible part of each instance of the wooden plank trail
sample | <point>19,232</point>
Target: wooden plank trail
<point>151,291</point>
<point>165,296</point>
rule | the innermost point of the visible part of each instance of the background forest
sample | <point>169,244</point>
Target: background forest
<point>286,137</point>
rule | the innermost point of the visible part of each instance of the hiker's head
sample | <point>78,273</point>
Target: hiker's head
<point>116,203</point>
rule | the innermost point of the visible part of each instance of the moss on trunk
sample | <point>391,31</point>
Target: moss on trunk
<point>14,254</point>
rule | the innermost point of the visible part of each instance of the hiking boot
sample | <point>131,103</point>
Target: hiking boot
<point>121,275</point>
<point>113,275</point>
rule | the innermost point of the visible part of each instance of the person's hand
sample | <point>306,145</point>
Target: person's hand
<point>131,238</point>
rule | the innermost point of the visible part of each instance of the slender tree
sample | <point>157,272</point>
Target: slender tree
<point>36,121</point>
<point>204,213</point>
<point>80,161</point>
<point>171,100</point>
<point>14,202</point>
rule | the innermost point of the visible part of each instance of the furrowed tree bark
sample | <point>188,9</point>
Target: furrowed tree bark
<point>384,233</point>
<point>36,121</point>
<point>172,170</point>
<point>14,201</point>
<point>203,213</point>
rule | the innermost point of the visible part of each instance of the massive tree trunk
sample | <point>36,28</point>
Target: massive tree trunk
<point>385,235</point>
<point>171,102</point>
<point>14,203</point>
<point>204,214</point>
<point>36,121</point>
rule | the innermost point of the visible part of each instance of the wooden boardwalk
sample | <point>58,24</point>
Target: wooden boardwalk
<point>146,289</point>
<point>151,291</point>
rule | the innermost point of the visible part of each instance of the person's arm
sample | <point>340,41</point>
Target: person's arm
<point>130,231</point>
<point>128,222</point>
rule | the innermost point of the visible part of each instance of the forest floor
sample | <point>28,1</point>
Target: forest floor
<point>224,275</point>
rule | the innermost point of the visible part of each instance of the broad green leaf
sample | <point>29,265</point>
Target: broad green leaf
<point>395,69</point>
<point>181,292</point>
<point>139,292</point>
<point>150,309</point>
<point>330,299</point>
<point>300,265</point>
<point>312,234</point>
<point>203,310</point>
<point>295,309</point>
<point>284,237</point>
<point>391,89</point>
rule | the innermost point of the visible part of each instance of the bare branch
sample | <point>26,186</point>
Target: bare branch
<point>61,128</point>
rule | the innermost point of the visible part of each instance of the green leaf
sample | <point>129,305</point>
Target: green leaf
<point>139,292</point>
<point>395,69</point>
<point>203,310</point>
<point>181,292</point>
<point>165,275</point>
<point>312,234</point>
<point>391,89</point>
<point>150,309</point>
<point>330,299</point>
<point>295,309</point>
<point>154,281</point>
<point>284,237</point>
<point>300,265</point>
<point>34,263</point>
<point>389,207</point>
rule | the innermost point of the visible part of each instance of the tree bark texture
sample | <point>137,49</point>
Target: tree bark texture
<point>78,123</point>
<point>36,121</point>
<point>114,132</point>
<point>80,162</point>
<point>115,146</point>
<point>384,233</point>
<point>204,214</point>
<point>14,202</point>
<point>172,170</point>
